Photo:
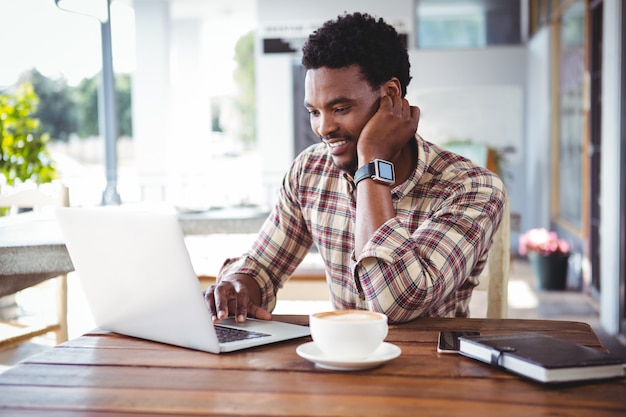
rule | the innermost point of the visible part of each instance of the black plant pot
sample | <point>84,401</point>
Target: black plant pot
<point>550,270</point>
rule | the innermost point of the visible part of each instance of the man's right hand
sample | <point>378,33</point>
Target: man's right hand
<point>389,130</point>
<point>237,295</point>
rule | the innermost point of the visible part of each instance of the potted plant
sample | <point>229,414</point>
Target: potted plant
<point>23,153</point>
<point>548,256</point>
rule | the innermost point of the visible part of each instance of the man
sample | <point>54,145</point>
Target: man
<point>403,226</point>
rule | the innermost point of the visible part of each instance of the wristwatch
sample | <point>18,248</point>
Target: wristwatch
<point>379,170</point>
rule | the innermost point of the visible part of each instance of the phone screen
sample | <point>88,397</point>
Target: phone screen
<point>449,340</point>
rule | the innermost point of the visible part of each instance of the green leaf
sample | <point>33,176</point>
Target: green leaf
<point>23,153</point>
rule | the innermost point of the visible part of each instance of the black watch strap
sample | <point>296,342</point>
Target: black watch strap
<point>366,171</point>
<point>379,170</point>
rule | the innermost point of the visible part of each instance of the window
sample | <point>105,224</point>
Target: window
<point>454,24</point>
<point>571,140</point>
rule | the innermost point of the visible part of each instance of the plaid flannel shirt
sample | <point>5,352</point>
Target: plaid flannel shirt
<point>423,262</point>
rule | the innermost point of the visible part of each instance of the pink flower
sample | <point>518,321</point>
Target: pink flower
<point>542,241</point>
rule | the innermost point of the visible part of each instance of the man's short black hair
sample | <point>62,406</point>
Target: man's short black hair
<point>359,39</point>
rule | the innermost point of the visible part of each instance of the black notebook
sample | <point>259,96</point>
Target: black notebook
<point>543,358</point>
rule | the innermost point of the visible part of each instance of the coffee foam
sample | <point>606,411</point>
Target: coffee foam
<point>349,316</point>
<point>352,317</point>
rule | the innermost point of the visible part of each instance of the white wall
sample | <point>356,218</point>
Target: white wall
<point>151,93</point>
<point>476,94</point>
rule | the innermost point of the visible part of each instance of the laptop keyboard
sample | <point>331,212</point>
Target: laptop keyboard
<point>228,334</point>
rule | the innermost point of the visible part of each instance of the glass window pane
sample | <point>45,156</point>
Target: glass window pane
<point>447,24</point>
<point>571,79</point>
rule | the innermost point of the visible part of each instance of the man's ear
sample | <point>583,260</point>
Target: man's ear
<point>392,88</point>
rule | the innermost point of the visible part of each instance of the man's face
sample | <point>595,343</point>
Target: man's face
<point>340,102</point>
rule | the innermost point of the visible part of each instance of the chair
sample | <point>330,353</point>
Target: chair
<point>495,278</point>
<point>12,333</point>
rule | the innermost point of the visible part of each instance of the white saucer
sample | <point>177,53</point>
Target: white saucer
<point>384,353</point>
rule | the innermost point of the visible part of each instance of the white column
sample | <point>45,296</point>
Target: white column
<point>610,165</point>
<point>151,96</point>
<point>191,114</point>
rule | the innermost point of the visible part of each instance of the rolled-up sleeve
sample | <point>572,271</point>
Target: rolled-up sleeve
<point>410,274</point>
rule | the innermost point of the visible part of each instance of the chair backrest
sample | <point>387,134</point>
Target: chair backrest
<point>35,197</point>
<point>495,279</point>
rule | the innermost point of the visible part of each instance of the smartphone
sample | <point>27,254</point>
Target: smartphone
<point>449,340</point>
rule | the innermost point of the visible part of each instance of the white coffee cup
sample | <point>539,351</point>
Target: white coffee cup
<point>348,334</point>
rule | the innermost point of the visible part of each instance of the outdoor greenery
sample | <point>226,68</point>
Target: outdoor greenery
<point>56,111</point>
<point>244,78</point>
<point>86,99</point>
<point>23,154</point>
<point>39,109</point>
<point>64,110</point>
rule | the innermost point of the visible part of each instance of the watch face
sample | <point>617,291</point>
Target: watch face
<point>385,170</point>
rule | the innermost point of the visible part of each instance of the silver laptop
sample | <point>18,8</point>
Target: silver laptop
<point>139,281</point>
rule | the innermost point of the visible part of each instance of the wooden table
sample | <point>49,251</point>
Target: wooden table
<point>102,374</point>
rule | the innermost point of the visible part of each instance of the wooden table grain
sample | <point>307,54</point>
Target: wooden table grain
<point>104,374</point>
